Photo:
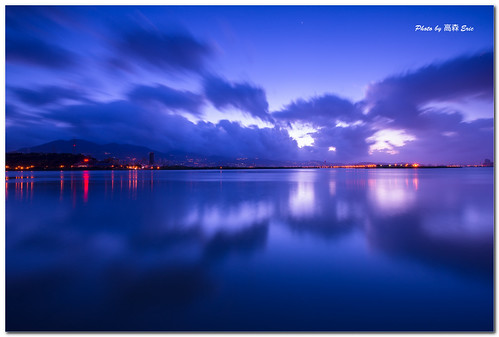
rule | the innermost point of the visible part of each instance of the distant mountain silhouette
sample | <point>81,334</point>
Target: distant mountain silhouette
<point>98,151</point>
<point>123,152</point>
<point>134,153</point>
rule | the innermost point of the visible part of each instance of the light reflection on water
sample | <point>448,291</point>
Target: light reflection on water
<point>393,195</point>
<point>250,250</point>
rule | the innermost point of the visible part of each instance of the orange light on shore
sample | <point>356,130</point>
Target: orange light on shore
<point>85,160</point>
<point>415,165</point>
<point>355,166</point>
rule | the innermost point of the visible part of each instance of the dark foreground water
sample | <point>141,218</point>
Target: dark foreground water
<point>400,249</point>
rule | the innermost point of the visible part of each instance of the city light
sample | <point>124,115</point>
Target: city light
<point>354,166</point>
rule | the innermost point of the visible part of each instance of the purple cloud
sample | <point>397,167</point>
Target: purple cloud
<point>36,52</point>
<point>118,120</point>
<point>350,143</point>
<point>402,97</point>
<point>243,96</point>
<point>11,111</point>
<point>403,105</point>
<point>47,95</point>
<point>442,135</point>
<point>167,97</point>
<point>450,140</point>
<point>341,130</point>
<point>164,51</point>
<point>320,111</point>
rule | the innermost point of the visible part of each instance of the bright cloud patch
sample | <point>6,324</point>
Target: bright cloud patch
<point>342,124</point>
<point>302,134</point>
<point>388,140</point>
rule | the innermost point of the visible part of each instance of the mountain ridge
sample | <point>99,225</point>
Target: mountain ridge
<point>136,153</point>
<point>98,151</point>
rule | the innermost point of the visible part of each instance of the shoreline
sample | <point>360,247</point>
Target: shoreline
<point>189,168</point>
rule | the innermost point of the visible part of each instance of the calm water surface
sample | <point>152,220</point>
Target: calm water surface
<point>405,249</point>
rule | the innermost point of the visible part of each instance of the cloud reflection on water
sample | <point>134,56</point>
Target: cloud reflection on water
<point>154,239</point>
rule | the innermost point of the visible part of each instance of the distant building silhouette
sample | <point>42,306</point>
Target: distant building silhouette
<point>151,158</point>
<point>487,163</point>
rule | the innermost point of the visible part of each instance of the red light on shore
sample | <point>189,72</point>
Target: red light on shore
<point>86,160</point>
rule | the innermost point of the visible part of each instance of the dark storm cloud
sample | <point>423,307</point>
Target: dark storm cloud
<point>350,142</point>
<point>103,121</point>
<point>267,143</point>
<point>168,97</point>
<point>47,95</point>
<point>321,110</point>
<point>36,52</point>
<point>402,97</point>
<point>164,51</point>
<point>243,96</point>
<point>122,120</point>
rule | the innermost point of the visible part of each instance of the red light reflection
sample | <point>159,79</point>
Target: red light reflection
<point>86,177</point>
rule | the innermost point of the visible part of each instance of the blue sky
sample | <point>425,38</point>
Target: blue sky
<point>336,83</point>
